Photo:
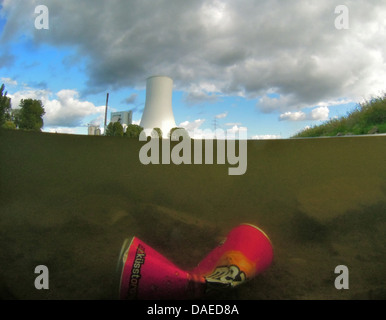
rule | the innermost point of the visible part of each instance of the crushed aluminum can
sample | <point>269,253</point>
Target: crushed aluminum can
<point>146,274</point>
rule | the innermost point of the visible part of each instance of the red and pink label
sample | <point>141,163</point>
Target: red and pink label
<point>146,274</point>
<point>149,275</point>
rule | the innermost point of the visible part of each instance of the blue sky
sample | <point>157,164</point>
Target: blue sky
<point>271,68</point>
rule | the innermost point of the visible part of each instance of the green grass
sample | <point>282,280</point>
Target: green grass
<point>69,201</point>
<point>366,117</point>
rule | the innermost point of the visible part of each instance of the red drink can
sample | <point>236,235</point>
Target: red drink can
<point>146,274</point>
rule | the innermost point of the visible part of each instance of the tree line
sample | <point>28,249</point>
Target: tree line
<point>29,115</point>
<point>115,129</point>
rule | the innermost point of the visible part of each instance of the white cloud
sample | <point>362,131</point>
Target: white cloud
<point>8,81</point>
<point>293,116</point>
<point>60,130</point>
<point>193,125</point>
<point>319,113</point>
<point>221,115</point>
<point>266,137</point>
<point>236,129</point>
<point>28,94</point>
<point>194,130</point>
<point>231,124</point>
<point>329,103</point>
<point>66,110</point>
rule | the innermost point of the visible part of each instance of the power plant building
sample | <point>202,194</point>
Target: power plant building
<point>158,111</point>
<point>94,130</point>
<point>123,117</point>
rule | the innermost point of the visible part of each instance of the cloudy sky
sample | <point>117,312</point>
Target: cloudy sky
<point>268,67</point>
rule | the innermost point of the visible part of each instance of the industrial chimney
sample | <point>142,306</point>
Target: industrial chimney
<point>158,111</point>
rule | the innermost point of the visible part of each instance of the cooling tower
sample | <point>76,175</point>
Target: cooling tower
<point>158,111</point>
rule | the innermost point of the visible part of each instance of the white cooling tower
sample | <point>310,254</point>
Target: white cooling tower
<point>158,111</point>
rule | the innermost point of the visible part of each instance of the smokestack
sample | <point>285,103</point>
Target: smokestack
<point>158,111</point>
<point>107,102</point>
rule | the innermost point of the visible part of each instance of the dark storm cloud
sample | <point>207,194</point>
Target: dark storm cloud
<point>246,47</point>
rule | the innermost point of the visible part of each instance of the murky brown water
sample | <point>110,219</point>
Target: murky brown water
<point>68,202</point>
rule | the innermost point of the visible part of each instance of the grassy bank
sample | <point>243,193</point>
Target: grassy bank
<point>69,201</point>
<point>366,118</point>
